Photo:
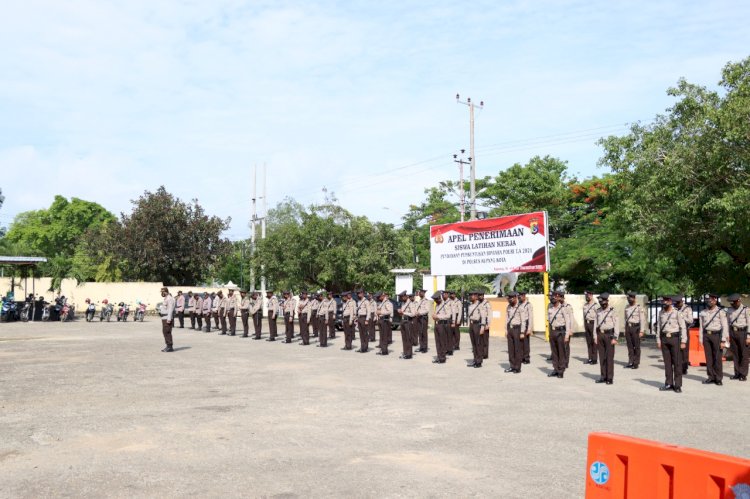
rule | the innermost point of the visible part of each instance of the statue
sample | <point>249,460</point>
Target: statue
<point>508,279</point>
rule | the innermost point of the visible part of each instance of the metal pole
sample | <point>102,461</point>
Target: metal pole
<point>252,227</point>
<point>546,305</point>
<point>263,236</point>
<point>473,188</point>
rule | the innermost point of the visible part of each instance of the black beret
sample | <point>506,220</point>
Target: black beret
<point>522,291</point>
<point>437,296</point>
<point>733,297</point>
<point>513,294</point>
<point>667,297</point>
<point>632,294</point>
<point>402,293</point>
<point>714,295</point>
<point>588,292</point>
<point>604,296</point>
<point>558,292</point>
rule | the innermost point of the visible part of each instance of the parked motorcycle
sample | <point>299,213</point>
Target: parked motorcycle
<point>65,312</point>
<point>90,310</point>
<point>45,309</point>
<point>122,313</point>
<point>9,311</point>
<point>107,310</point>
<point>140,312</point>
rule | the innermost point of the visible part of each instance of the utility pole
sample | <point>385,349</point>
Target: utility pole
<point>252,225</point>
<point>472,159</point>
<point>461,194</point>
<point>263,236</point>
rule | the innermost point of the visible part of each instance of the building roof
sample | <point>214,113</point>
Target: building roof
<point>21,260</point>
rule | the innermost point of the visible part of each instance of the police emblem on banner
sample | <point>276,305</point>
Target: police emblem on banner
<point>439,238</point>
<point>534,225</point>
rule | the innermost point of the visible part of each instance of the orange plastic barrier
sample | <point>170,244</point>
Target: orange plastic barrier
<point>620,467</point>
<point>696,355</point>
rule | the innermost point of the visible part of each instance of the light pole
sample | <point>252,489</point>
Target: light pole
<point>472,159</point>
<point>461,194</point>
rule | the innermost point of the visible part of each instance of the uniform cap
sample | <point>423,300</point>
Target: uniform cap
<point>269,291</point>
<point>588,292</point>
<point>513,294</point>
<point>346,293</point>
<point>631,294</point>
<point>360,290</point>
<point>558,292</point>
<point>421,290</point>
<point>243,291</point>
<point>714,295</point>
<point>667,297</point>
<point>451,292</point>
<point>437,296</point>
<point>521,292</point>
<point>402,293</point>
<point>474,292</point>
<point>481,292</point>
<point>604,296</point>
<point>378,295</point>
<point>678,298</point>
<point>733,297</point>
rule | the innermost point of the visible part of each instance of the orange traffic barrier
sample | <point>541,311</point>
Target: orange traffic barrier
<point>696,354</point>
<point>626,467</point>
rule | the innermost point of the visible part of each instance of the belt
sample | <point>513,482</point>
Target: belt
<point>443,322</point>
<point>739,328</point>
<point>559,328</point>
<point>305,314</point>
<point>669,335</point>
<point>607,331</point>
<point>385,318</point>
<point>363,316</point>
<point>479,321</point>
<point>712,332</point>
<point>589,322</point>
<point>163,315</point>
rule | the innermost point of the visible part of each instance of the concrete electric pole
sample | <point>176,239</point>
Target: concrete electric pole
<point>472,159</point>
<point>461,194</point>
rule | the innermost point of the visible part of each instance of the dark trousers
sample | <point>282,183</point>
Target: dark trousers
<point>740,352</point>
<point>606,357</point>
<point>258,323</point>
<point>244,315</point>
<point>331,325</point>
<point>385,332</point>
<point>406,340</point>
<point>590,345</point>
<point>304,329</point>
<point>371,327</point>
<point>232,318</point>
<point>476,342</point>
<point>670,349</point>
<point>526,348</point>
<point>272,326</point>
<point>322,332</point>
<point>686,350</point>
<point>364,333</point>
<point>216,319</point>
<point>633,341</point>
<point>557,344</point>
<point>486,344</point>
<point>423,338</point>
<point>314,324</point>
<point>515,347</point>
<point>223,321</point>
<point>416,326</point>
<point>348,332</point>
<point>441,338</point>
<point>192,320</point>
<point>199,320</point>
<point>456,337</point>
<point>166,330</point>
<point>712,346</point>
<point>181,318</point>
<point>207,317</point>
<point>288,326</point>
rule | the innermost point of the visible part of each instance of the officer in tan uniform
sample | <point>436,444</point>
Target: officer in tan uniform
<point>476,328</point>
<point>348,316</point>
<point>245,305</point>
<point>528,328</point>
<point>686,312</point>
<point>331,316</point>
<point>488,314</point>
<point>314,306</point>
<point>457,314</point>
<point>424,308</point>
<point>713,330</point>
<point>288,309</point>
<point>363,321</point>
<point>590,308</point>
<point>220,311</point>
<point>408,309</point>
<point>514,323</point>
<point>231,311</point>
<point>198,311</point>
<point>272,305</point>
<point>561,329</point>
<point>322,318</point>
<point>372,308</point>
<point>256,313</point>
<point>207,304</point>
<point>385,313</point>
<point>442,317</point>
<point>635,328</point>
<point>215,301</point>
<point>179,308</point>
<point>670,334</point>
<point>607,329</point>
<point>303,312</point>
<point>166,311</point>
<point>738,319</point>
<point>190,309</point>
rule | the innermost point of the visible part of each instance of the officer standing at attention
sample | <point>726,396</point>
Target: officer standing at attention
<point>590,308</point>
<point>273,312</point>
<point>671,330</point>
<point>713,329</point>
<point>215,301</point>
<point>457,304</point>
<point>207,302</point>
<point>322,318</point>
<point>424,307</point>
<point>739,340</point>
<point>314,307</point>
<point>331,316</point>
<point>385,312</point>
<point>348,316</point>
<point>568,310</point>
<point>166,310</point>
<point>414,321</point>
<point>405,327</point>
<point>231,310</point>
<point>686,312</point>
<point>607,331</point>
<point>561,328</point>
<point>372,308</point>
<point>442,317</point>
<point>303,312</point>
<point>363,321</point>
<point>198,310</point>
<point>528,328</point>
<point>288,310</point>
<point>245,305</point>
<point>476,328</point>
<point>488,315</point>
<point>191,309</point>
<point>256,312</point>
<point>180,308</point>
<point>635,328</point>
<point>222,311</point>
<point>514,324</point>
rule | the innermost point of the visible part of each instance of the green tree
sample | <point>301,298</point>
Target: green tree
<point>687,178</point>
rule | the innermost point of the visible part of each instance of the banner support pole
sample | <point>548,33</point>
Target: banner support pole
<point>546,305</point>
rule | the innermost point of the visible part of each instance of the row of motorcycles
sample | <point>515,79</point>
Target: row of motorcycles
<point>61,310</point>
<point>108,310</point>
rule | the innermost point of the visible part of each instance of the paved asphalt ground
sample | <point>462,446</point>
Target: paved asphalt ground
<point>96,410</point>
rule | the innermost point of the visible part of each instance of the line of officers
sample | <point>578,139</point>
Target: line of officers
<point>718,327</point>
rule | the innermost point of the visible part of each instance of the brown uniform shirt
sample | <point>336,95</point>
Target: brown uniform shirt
<point>606,322</point>
<point>635,316</point>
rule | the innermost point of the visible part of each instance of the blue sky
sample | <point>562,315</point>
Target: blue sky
<point>103,100</point>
